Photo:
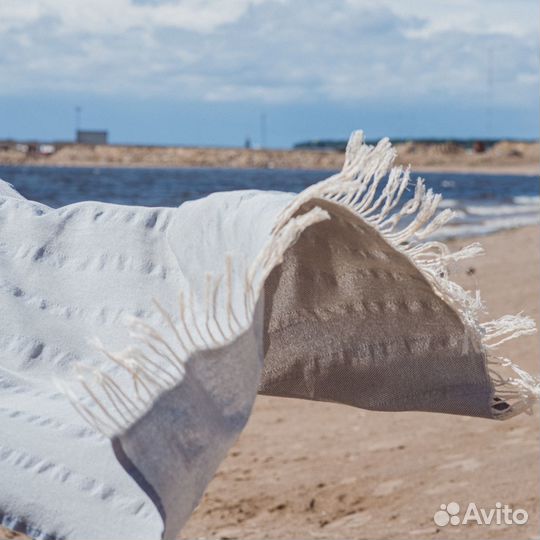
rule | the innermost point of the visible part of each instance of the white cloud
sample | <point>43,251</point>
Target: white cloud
<point>113,16</point>
<point>269,50</point>
<point>517,17</point>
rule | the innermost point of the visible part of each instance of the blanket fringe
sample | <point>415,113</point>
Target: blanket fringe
<point>111,409</point>
<point>355,187</point>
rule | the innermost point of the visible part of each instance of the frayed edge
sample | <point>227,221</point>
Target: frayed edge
<point>157,363</point>
<point>512,385</point>
<point>355,187</point>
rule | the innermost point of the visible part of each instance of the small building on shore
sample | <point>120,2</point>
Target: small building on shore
<point>85,136</point>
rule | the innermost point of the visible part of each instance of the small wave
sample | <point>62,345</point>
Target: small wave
<point>502,209</point>
<point>460,215</point>
<point>527,199</point>
<point>449,203</point>
<point>465,229</point>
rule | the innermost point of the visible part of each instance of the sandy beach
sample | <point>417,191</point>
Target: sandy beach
<point>316,470</point>
<point>504,158</point>
<point>313,470</point>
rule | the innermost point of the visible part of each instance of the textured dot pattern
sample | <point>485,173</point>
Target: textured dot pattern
<point>351,320</point>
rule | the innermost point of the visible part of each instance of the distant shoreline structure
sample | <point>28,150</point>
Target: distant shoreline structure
<point>505,156</point>
<point>478,144</point>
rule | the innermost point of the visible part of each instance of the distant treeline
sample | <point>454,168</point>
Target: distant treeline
<point>340,145</point>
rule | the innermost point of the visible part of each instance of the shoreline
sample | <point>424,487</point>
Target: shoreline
<point>520,170</point>
<point>503,158</point>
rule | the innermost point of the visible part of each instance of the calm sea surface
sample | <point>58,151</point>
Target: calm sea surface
<point>483,202</point>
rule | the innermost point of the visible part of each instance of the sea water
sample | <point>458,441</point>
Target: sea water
<point>483,203</point>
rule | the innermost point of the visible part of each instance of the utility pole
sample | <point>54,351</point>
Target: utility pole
<point>263,130</point>
<point>489,97</point>
<point>78,113</point>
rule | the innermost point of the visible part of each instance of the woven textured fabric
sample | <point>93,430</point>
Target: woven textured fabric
<point>134,340</point>
<point>345,313</point>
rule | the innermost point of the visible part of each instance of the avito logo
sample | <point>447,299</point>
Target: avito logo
<point>501,514</point>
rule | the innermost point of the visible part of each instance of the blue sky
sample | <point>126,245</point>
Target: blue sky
<point>204,71</point>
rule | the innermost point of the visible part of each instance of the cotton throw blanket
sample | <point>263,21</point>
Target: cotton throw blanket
<point>134,340</point>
